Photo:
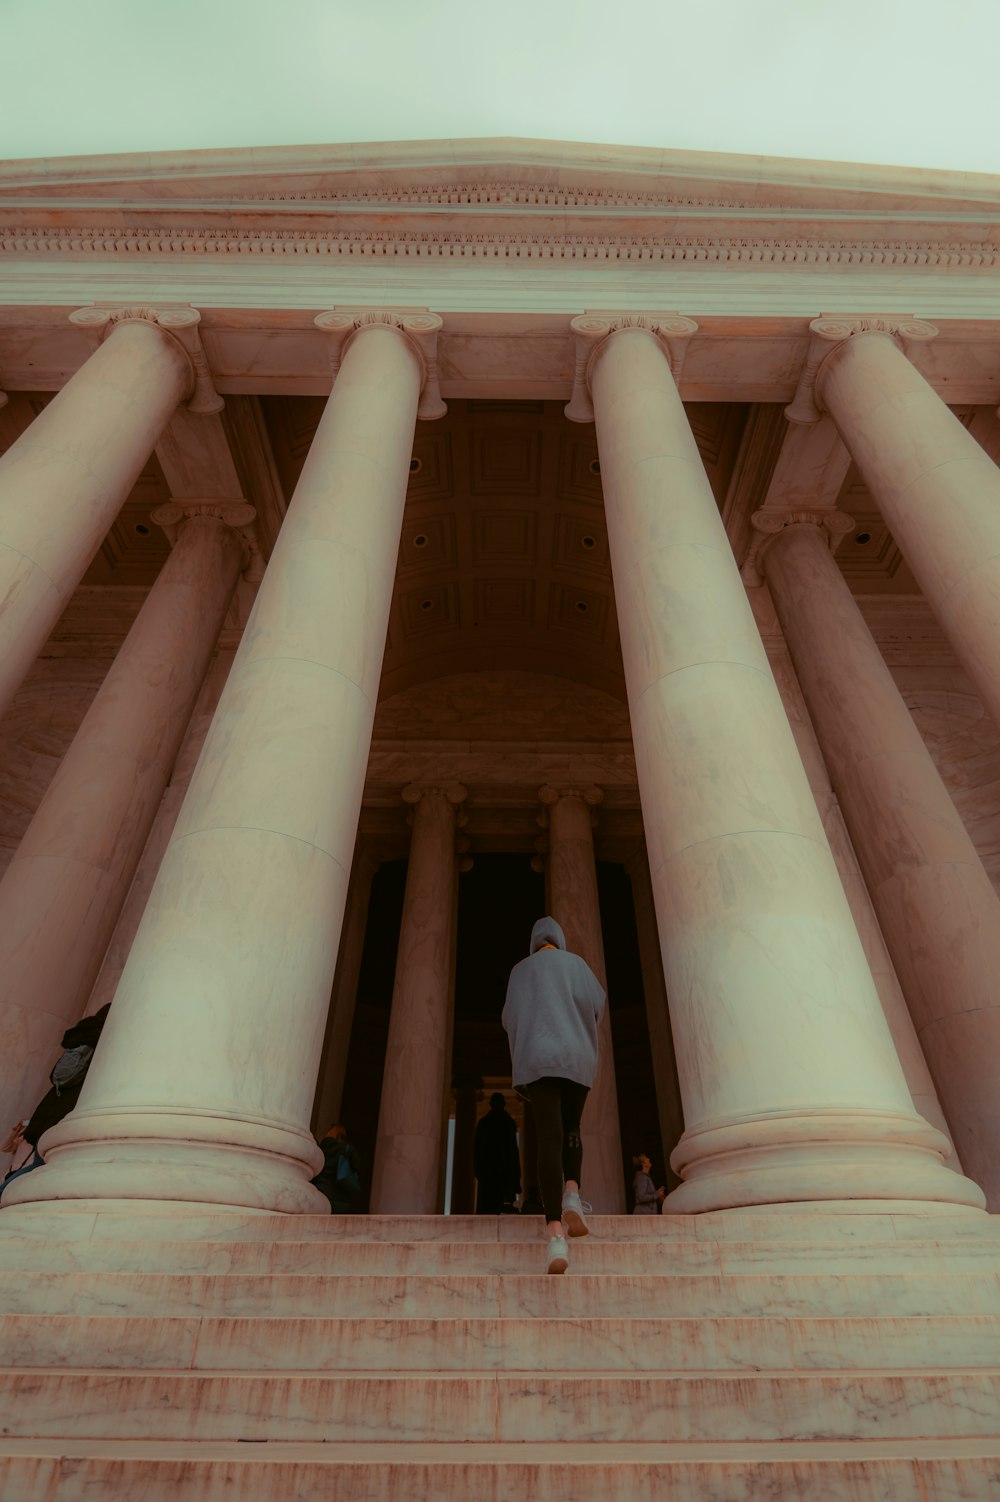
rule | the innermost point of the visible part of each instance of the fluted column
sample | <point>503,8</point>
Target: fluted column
<point>574,904</point>
<point>62,893</point>
<point>937,490</point>
<point>64,481</point>
<point>791,1086</point>
<point>410,1122</point>
<point>935,903</point>
<point>202,1086</point>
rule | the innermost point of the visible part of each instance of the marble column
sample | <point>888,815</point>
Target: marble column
<point>406,1172</point>
<point>572,886</point>
<point>340,1019</point>
<point>791,1086</point>
<point>202,1086</point>
<point>935,903</point>
<point>64,481</point>
<point>937,490</point>
<point>883,972</point>
<point>64,889</point>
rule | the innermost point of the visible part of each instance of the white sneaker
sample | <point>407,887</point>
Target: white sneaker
<point>557,1255</point>
<point>573,1208</point>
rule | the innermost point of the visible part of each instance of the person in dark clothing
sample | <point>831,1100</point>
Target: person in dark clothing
<point>340,1177</point>
<point>553,1007</point>
<point>647,1196</point>
<point>496,1160</point>
<point>80,1040</point>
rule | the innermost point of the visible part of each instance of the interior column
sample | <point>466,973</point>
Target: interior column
<point>935,903</point>
<point>202,1085</point>
<point>64,889</point>
<point>64,481</point>
<point>937,490</point>
<point>791,1086</point>
<point>405,1175</point>
<point>575,907</point>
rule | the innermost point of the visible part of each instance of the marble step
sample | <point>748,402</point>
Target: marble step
<point>922,1470</point>
<point>391,1344</point>
<point>476,1406</point>
<point>728,1225</point>
<point>165,1471</point>
<point>587,1254</point>
<point>580,1296</point>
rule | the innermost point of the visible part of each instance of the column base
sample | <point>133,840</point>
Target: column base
<point>842,1157</point>
<point>164,1158</point>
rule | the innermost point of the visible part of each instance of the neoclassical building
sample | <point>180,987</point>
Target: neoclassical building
<point>397,542</point>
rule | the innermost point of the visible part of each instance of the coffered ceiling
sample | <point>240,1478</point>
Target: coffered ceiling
<point>503,558</point>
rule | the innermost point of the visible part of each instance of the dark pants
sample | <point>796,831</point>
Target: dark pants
<point>557,1105</point>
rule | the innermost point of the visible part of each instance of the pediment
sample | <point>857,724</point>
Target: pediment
<point>440,195</point>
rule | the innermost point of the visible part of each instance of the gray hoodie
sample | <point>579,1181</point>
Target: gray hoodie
<point>554,1003</point>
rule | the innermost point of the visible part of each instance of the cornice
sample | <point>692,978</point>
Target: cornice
<point>364,245</point>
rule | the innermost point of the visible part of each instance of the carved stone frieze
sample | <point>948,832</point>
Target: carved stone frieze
<point>420,329</point>
<point>827,332</point>
<point>365,244</point>
<point>181,323</point>
<point>671,330</point>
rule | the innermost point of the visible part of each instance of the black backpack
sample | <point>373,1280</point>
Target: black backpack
<point>71,1066</point>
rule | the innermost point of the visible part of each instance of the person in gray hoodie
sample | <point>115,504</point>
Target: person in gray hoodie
<point>554,1004</point>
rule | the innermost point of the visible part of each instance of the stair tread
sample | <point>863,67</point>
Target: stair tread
<point>492,1452</point>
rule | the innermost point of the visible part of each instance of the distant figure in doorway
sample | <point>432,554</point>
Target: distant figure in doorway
<point>496,1160</point>
<point>340,1177</point>
<point>554,1004</point>
<point>68,1074</point>
<point>647,1196</point>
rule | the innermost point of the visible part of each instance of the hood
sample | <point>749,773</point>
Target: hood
<point>546,931</point>
<point>87,1030</point>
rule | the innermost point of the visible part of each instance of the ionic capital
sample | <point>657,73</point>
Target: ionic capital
<point>179,324</point>
<point>454,792</point>
<point>420,330</point>
<point>830,331</point>
<point>592,331</point>
<point>767,525</point>
<point>239,515</point>
<point>589,796</point>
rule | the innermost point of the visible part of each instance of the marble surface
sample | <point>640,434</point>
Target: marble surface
<point>774,1020</point>
<point>407,1166</point>
<point>241,928</point>
<point>63,482</point>
<point>879,1347</point>
<point>64,889</point>
<point>936,905</point>
<point>937,490</point>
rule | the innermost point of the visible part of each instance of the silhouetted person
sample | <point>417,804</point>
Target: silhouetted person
<point>67,1077</point>
<point>496,1160</point>
<point>554,1003</point>
<point>647,1196</point>
<point>340,1177</point>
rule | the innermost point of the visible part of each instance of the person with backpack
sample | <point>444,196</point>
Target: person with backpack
<point>67,1077</point>
<point>340,1177</point>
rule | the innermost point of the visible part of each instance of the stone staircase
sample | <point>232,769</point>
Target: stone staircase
<point>733,1357</point>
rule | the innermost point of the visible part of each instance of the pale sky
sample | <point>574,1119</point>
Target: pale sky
<point>901,82</point>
